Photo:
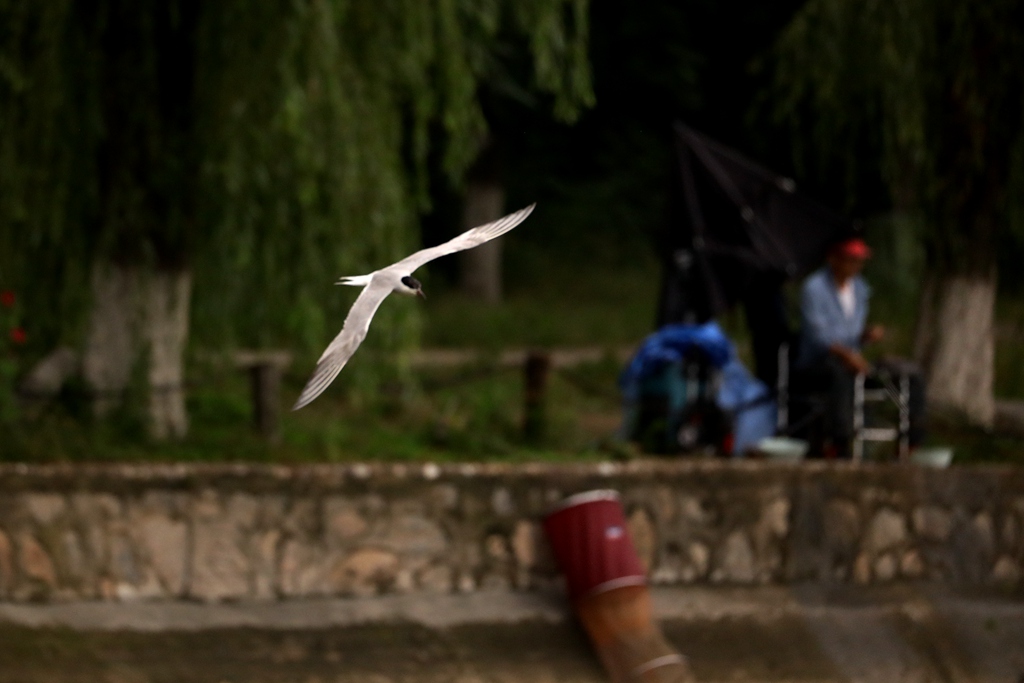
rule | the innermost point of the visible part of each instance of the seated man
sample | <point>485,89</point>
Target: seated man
<point>834,313</point>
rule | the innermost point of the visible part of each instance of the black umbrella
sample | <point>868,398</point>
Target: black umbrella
<point>739,232</point>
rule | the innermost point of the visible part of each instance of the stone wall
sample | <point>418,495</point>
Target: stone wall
<point>228,532</point>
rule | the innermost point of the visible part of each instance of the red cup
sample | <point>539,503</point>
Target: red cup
<point>591,544</point>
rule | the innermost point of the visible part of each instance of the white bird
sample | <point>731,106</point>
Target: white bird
<point>377,285</point>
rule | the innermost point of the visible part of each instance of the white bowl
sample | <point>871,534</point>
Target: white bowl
<point>936,456</point>
<point>782,448</point>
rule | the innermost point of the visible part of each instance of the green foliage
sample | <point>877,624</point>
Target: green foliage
<point>464,413</point>
<point>269,146</point>
<point>473,414</point>
<point>935,87</point>
<point>45,136</point>
<point>557,301</point>
<point>895,271</point>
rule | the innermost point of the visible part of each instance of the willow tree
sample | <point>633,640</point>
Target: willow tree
<point>239,156</point>
<point>937,87</point>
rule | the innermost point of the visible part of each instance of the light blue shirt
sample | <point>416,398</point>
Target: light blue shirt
<point>822,320</point>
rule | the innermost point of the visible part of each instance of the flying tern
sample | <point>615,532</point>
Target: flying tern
<point>377,285</point>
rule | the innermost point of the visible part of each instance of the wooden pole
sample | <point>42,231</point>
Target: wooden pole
<point>265,369</point>
<point>266,386</point>
<point>536,372</point>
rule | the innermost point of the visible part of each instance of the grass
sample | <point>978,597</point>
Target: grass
<point>466,414</point>
<point>972,444</point>
<point>572,306</point>
<point>469,413</point>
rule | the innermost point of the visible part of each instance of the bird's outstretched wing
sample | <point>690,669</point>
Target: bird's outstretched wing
<point>467,240</point>
<point>357,322</point>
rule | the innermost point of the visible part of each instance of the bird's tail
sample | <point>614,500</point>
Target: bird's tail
<point>355,280</point>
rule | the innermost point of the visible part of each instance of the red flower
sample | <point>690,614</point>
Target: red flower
<point>7,298</point>
<point>18,335</point>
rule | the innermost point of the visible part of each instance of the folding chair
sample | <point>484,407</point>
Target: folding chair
<point>894,386</point>
<point>899,393</point>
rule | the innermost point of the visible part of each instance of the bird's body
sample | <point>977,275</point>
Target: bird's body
<point>377,285</point>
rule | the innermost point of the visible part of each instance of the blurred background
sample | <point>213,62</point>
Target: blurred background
<point>182,181</point>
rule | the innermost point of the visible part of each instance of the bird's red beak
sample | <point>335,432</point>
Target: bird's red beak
<point>420,294</point>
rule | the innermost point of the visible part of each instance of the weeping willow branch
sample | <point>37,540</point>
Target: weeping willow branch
<point>933,85</point>
<point>268,147</point>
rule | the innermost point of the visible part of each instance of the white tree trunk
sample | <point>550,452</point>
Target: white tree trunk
<point>135,313</point>
<point>165,323</point>
<point>959,358</point>
<point>481,266</point>
<point>110,348</point>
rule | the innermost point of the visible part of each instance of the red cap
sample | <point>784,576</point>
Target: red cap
<point>854,247</point>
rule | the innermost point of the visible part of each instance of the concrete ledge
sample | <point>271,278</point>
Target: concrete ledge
<point>437,611</point>
<point>764,604</point>
<point>805,633</point>
<point>119,477</point>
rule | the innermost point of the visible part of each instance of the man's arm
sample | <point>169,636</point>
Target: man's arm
<point>872,334</point>
<point>851,358</point>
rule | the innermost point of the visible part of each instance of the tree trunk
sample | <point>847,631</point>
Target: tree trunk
<point>165,323</point>
<point>481,266</point>
<point>959,359</point>
<point>134,313</point>
<point>485,202</point>
<point>110,344</point>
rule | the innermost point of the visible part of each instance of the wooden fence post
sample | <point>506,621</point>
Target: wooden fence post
<point>536,372</point>
<point>265,369</point>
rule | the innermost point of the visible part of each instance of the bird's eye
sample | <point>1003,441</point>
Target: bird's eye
<point>410,282</point>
